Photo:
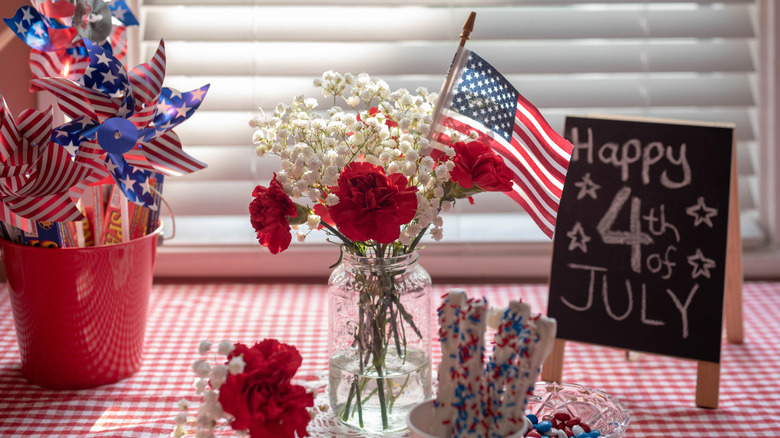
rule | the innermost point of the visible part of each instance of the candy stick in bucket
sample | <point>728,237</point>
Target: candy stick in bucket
<point>125,219</point>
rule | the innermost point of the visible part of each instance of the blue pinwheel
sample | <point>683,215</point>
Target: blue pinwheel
<point>129,116</point>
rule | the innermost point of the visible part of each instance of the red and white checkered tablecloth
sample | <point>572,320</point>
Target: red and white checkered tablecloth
<point>659,391</point>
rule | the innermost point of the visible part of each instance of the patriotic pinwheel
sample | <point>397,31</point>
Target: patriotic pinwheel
<point>58,48</point>
<point>129,115</point>
<point>38,178</point>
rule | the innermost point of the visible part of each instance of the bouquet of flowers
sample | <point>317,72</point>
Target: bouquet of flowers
<point>252,390</point>
<point>367,173</point>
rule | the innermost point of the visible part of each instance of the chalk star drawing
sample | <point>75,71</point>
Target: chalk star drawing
<point>587,187</point>
<point>578,238</point>
<point>701,265</point>
<point>701,213</point>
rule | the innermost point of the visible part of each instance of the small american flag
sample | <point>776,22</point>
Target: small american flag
<point>479,99</point>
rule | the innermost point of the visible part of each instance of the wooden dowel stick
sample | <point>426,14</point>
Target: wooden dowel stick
<point>467,28</point>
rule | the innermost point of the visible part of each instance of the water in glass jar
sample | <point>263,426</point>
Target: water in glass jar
<point>406,381</point>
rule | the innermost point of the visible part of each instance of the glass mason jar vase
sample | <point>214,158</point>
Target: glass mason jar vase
<point>379,340</point>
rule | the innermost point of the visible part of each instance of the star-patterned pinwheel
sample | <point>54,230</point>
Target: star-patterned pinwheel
<point>41,32</point>
<point>38,178</point>
<point>129,115</point>
<point>57,48</point>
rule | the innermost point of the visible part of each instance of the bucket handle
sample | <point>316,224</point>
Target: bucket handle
<point>163,237</point>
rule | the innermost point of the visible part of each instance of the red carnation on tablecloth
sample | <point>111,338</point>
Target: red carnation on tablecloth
<point>269,212</point>
<point>252,392</point>
<point>477,165</point>
<point>372,205</point>
<point>262,399</point>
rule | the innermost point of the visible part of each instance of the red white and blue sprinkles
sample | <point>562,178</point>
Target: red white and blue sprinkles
<point>478,399</point>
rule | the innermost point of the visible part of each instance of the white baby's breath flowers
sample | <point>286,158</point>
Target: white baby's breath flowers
<point>236,365</point>
<point>184,404</point>
<point>204,346</point>
<point>218,375</point>
<point>225,347</point>
<point>437,233</point>
<point>313,221</point>
<point>200,385</point>
<point>332,200</point>
<point>201,368</point>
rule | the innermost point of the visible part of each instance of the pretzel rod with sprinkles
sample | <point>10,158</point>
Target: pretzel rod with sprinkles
<point>502,369</point>
<point>449,368</point>
<point>538,341</point>
<point>469,401</point>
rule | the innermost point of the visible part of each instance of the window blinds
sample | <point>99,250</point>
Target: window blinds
<point>692,61</point>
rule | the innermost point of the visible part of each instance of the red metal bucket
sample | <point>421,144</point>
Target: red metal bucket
<point>80,313</point>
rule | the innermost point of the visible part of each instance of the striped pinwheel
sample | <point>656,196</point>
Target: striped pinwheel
<point>129,116</point>
<point>57,48</point>
<point>38,178</point>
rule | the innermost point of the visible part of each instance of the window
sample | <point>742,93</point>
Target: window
<point>698,60</point>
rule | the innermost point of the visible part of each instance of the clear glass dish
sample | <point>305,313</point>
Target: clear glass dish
<point>595,407</point>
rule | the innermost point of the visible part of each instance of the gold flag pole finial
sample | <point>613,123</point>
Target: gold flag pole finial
<point>467,28</point>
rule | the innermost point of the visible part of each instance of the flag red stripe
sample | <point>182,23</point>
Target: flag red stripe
<point>530,137</point>
<point>562,148</point>
<point>525,177</point>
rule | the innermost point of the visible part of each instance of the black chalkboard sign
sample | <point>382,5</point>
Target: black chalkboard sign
<point>640,247</point>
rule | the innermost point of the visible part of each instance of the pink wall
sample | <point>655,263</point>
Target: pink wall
<point>14,72</point>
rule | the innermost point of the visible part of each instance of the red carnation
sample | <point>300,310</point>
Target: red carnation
<point>262,399</point>
<point>269,213</point>
<point>372,206</point>
<point>477,165</point>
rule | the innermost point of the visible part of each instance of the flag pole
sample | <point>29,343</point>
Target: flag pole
<point>446,88</point>
<point>468,27</point>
